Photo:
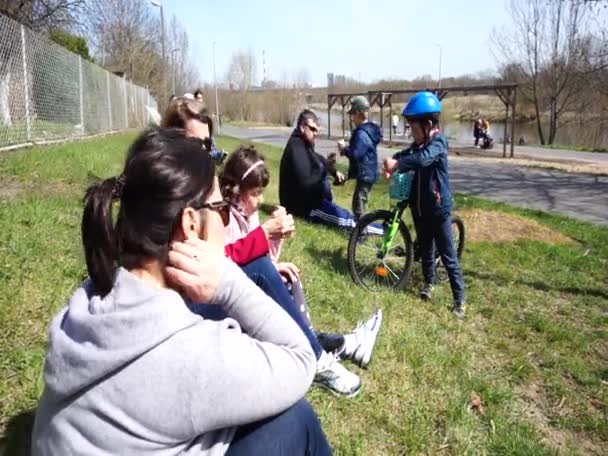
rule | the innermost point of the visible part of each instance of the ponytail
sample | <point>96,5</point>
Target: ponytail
<point>98,233</point>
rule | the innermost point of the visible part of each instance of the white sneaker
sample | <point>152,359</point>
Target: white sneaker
<point>365,336</point>
<point>335,377</point>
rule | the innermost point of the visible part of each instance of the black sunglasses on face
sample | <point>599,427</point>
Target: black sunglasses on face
<point>221,207</point>
<point>312,128</point>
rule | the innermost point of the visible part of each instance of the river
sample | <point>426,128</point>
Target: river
<point>588,133</point>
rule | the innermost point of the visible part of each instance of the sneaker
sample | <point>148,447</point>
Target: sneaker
<point>426,292</point>
<point>360,343</point>
<point>335,377</point>
<point>458,309</point>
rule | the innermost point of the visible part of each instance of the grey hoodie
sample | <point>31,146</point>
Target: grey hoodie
<point>136,372</point>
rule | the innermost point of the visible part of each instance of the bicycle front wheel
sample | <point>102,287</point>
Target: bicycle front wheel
<point>374,260</point>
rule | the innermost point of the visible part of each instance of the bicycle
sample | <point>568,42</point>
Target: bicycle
<point>390,259</point>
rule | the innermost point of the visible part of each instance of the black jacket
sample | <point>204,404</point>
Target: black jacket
<point>303,182</point>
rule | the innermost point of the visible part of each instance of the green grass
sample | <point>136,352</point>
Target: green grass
<point>534,345</point>
<point>40,130</point>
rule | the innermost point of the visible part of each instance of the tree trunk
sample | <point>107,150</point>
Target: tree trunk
<point>539,125</point>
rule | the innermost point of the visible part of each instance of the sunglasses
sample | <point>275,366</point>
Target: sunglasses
<point>221,207</point>
<point>313,129</point>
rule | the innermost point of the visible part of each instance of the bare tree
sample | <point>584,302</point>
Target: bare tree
<point>185,76</point>
<point>242,70</point>
<point>548,52</point>
<point>301,79</point>
<point>43,14</point>
<point>124,36</point>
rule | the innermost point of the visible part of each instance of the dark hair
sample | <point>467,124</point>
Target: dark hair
<point>232,183</point>
<point>305,116</point>
<point>164,173</point>
<point>197,91</point>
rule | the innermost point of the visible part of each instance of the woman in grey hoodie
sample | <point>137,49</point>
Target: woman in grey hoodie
<point>129,369</point>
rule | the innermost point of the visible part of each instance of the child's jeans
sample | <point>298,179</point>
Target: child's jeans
<point>436,231</point>
<point>360,198</point>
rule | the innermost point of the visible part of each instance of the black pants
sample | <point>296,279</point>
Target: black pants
<point>360,198</point>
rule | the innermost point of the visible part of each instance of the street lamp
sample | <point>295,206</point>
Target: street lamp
<point>217,106</point>
<point>439,75</point>
<point>173,51</point>
<point>162,39</point>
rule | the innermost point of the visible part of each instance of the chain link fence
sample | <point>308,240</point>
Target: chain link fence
<point>47,93</point>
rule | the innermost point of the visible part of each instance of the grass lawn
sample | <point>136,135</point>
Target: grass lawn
<point>534,346</point>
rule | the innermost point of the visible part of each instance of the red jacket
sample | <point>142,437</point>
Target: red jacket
<point>249,248</point>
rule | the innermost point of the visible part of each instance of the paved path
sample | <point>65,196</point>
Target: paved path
<point>575,195</point>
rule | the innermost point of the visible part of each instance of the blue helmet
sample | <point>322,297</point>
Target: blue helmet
<point>421,104</point>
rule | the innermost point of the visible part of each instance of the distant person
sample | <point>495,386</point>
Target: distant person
<point>477,132</point>
<point>522,140</point>
<point>431,198</point>
<point>198,96</point>
<point>362,153</point>
<point>304,188</point>
<point>395,123</point>
<point>192,116</point>
<point>485,126</point>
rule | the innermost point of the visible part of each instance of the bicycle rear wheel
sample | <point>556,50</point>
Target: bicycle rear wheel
<point>458,235</point>
<point>369,265</point>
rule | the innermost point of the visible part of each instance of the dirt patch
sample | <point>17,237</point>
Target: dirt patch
<point>495,226</point>
<point>13,189</point>
<point>10,189</point>
<point>537,408</point>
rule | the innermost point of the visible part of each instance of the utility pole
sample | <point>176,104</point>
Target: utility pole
<point>163,90</point>
<point>217,106</point>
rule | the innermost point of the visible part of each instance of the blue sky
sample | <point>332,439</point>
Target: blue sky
<point>364,39</point>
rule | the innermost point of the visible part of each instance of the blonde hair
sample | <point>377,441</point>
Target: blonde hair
<point>182,109</point>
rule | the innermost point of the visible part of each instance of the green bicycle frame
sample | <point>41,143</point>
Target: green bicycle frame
<point>391,230</point>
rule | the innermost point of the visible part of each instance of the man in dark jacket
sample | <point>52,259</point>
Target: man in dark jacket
<point>304,188</point>
<point>362,153</point>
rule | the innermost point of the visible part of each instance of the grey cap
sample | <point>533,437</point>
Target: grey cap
<point>358,104</point>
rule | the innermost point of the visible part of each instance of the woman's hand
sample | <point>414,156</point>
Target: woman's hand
<point>279,227</point>
<point>196,267</point>
<point>289,272</point>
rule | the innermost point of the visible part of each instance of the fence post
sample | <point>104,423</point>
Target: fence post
<point>27,97</point>
<point>124,91</point>
<point>109,99</point>
<point>81,96</point>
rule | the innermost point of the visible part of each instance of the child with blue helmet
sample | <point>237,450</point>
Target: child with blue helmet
<point>430,198</point>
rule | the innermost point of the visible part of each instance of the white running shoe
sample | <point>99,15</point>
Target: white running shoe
<point>335,377</point>
<point>365,336</point>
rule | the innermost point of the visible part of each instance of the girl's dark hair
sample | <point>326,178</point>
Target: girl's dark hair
<point>232,183</point>
<point>164,173</point>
